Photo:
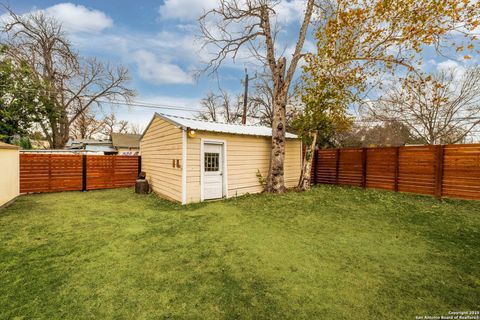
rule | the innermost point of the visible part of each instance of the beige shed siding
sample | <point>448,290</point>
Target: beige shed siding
<point>161,144</point>
<point>9,175</point>
<point>245,155</point>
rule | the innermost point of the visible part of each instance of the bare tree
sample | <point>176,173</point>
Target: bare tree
<point>251,25</point>
<point>221,108</point>
<point>135,128</point>
<point>111,124</point>
<point>261,99</point>
<point>210,108</point>
<point>439,108</point>
<point>73,84</point>
<point>261,102</point>
<point>86,126</point>
<point>391,133</point>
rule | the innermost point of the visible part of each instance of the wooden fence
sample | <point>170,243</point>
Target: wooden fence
<point>441,171</point>
<point>68,172</point>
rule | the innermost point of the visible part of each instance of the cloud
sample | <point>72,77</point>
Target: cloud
<point>152,70</point>
<point>287,11</point>
<point>447,65</point>
<point>185,9</point>
<point>451,65</point>
<point>74,18</point>
<point>77,18</point>
<point>177,45</point>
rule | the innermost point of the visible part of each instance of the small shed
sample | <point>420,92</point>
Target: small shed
<point>189,160</point>
<point>10,172</point>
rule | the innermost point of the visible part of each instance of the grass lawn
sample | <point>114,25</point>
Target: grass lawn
<point>331,253</point>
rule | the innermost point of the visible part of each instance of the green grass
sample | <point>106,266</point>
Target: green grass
<point>331,253</point>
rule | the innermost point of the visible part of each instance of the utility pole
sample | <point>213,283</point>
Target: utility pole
<point>245,96</point>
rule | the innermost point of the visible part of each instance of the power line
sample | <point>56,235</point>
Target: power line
<point>141,104</point>
<point>145,105</point>
<point>160,106</point>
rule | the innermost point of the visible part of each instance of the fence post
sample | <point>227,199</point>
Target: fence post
<point>397,167</point>
<point>314,165</point>
<point>364,167</point>
<point>84,172</point>
<point>337,166</point>
<point>439,171</point>
<point>139,165</point>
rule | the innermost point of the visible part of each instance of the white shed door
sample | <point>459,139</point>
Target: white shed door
<point>212,171</point>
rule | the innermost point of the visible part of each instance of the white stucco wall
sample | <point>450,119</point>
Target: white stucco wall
<point>9,174</point>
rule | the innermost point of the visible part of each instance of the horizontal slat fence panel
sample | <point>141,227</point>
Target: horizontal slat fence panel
<point>442,171</point>
<point>461,171</point>
<point>326,166</point>
<point>67,172</point>
<point>50,172</point>
<point>126,171</point>
<point>104,172</point>
<point>417,170</point>
<point>100,172</point>
<point>350,167</point>
<point>381,168</point>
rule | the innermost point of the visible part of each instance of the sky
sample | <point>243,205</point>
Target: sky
<point>157,41</point>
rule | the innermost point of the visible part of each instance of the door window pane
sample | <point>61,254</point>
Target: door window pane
<point>212,161</point>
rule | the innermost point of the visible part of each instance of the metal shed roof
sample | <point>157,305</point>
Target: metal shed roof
<point>211,126</point>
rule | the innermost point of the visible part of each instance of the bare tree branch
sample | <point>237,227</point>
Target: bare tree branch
<point>439,108</point>
<point>221,108</point>
<point>73,84</point>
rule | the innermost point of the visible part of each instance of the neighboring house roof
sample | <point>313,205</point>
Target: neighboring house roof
<point>200,125</point>
<point>4,145</point>
<point>79,143</point>
<point>97,148</point>
<point>126,140</point>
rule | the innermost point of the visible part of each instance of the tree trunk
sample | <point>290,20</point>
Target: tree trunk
<point>54,132</point>
<point>64,133</point>
<point>305,176</point>
<point>275,179</point>
<point>60,132</point>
